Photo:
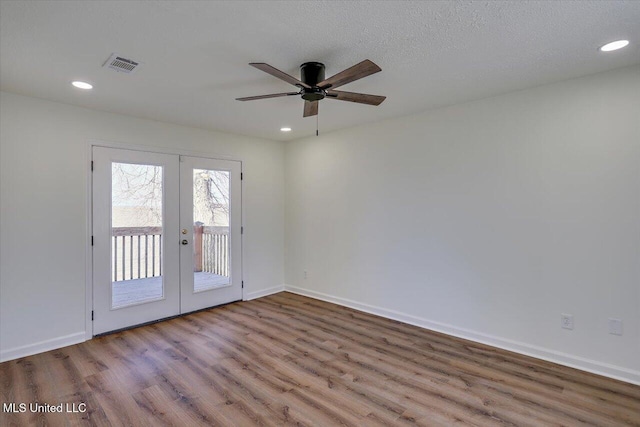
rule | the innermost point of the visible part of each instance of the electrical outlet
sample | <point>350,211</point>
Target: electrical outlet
<point>305,274</point>
<point>566,321</point>
<point>615,326</point>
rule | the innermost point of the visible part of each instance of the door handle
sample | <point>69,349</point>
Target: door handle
<point>185,242</point>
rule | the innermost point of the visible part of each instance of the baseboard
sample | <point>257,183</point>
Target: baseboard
<point>42,346</point>
<point>607,370</point>
<point>79,337</point>
<point>263,293</point>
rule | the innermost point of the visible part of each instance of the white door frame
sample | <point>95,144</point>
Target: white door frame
<point>89,209</point>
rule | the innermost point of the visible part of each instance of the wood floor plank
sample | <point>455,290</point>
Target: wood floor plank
<point>158,409</point>
<point>94,414</point>
<point>201,412</point>
<point>119,407</point>
<point>290,360</point>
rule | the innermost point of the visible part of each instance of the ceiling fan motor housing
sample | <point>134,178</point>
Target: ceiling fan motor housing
<point>312,73</point>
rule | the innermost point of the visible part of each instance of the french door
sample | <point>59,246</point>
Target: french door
<point>210,233</point>
<point>166,236</point>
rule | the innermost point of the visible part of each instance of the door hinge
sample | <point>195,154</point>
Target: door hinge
<point>91,315</point>
<point>243,284</point>
<point>91,165</point>
<point>241,230</point>
<point>241,176</point>
<point>91,240</point>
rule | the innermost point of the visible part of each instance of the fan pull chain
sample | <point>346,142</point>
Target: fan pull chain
<point>317,120</point>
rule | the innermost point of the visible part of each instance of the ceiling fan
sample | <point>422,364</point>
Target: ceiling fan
<point>314,87</point>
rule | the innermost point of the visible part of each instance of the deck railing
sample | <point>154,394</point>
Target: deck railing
<point>137,251</point>
<point>211,249</point>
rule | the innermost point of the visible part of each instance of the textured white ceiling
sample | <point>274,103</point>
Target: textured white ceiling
<point>195,54</point>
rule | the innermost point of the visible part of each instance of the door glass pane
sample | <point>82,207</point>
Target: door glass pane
<point>136,234</point>
<point>210,229</point>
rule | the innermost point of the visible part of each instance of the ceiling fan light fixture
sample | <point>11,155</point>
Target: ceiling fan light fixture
<point>313,94</point>
<point>618,44</point>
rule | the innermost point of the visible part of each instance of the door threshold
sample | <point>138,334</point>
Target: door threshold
<point>139,325</point>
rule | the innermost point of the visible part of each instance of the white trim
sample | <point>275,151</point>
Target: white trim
<point>242,242</point>
<point>263,293</point>
<point>161,150</point>
<point>88,270</point>
<point>42,346</point>
<point>577,362</point>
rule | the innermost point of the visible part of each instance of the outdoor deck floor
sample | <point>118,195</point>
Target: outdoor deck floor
<point>138,290</point>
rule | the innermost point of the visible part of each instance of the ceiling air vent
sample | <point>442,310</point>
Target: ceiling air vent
<point>121,65</point>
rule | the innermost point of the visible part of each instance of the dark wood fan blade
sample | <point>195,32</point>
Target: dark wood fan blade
<point>279,74</point>
<point>360,98</point>
<point>358,71</point>
<point>273,95</point>
<point>310,108</point>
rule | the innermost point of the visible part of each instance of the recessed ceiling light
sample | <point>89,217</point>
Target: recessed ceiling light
<point>285,129</point>
<point>618,44</point>
<point>82,85</point>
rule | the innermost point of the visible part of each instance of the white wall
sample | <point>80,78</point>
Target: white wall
<point>486,220</point>
<point>43,218</point>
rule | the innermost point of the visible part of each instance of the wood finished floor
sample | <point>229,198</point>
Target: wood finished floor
<point>287,359</point>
